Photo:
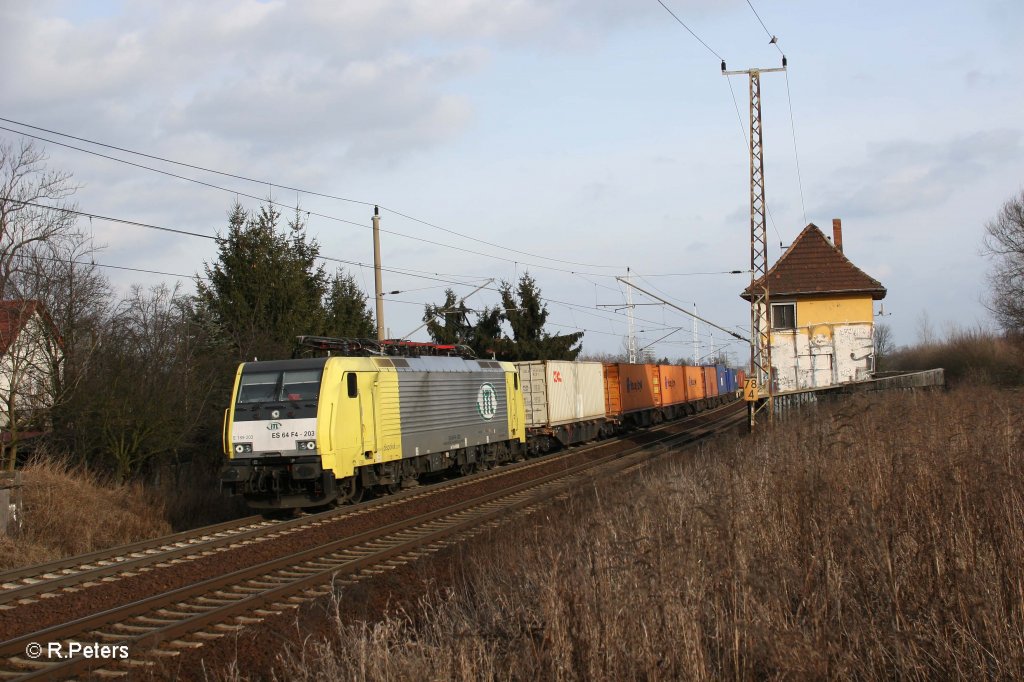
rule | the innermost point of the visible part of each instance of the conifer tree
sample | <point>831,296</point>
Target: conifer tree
<point>347,314</point>
<point>527,314</point>
<point>449,321</point>
<point>265,287</point>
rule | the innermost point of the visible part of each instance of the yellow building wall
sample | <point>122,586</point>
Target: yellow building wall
<point>833,311</point>
<point>832,343</point>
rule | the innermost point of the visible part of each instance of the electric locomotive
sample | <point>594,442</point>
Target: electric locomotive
<point>309,432</point>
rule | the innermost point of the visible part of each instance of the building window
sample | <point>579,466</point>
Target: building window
<point>784,316</point>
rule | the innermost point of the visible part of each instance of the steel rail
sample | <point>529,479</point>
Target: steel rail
<point>103,564</point>
<point>309,568</point>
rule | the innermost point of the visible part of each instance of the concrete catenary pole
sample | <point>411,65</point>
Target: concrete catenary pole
<point>377,287</point>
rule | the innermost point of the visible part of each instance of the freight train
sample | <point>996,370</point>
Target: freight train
<point>368,418</point>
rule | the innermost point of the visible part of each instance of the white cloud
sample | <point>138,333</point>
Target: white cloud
<point>901,176</point>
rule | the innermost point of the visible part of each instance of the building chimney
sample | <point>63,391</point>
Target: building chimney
<point>837,233</point>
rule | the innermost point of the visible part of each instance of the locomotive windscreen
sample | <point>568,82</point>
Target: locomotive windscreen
<point>286,385</point>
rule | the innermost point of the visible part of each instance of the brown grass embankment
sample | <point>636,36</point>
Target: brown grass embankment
<point>879,538</point>
<point>68,510</point>
<point>974,356</point>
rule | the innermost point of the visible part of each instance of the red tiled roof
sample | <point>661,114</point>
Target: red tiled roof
<point>812,265</point>
<point>13,317</point>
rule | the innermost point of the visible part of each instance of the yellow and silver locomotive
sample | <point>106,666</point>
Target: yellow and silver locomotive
<point>313,431</point>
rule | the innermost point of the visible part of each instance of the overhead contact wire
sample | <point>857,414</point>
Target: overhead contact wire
<point>267,183</point>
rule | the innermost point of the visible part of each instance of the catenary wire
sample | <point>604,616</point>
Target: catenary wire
<point>690,30</point>
<point>149,226</point>
<point>307,212</point>
<point>746,144</point>
<point>297,207</point>
<point>792,123</point>
<point>133,223</point>
<point>774,41</point>
<point>267,183</point>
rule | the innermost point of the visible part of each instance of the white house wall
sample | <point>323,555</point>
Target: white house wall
<point>27,365</point>
<point>822,355</point>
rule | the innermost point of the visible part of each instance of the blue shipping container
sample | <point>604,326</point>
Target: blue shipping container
<point>723,379</point>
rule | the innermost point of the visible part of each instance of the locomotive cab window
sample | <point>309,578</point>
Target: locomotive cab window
<point>784,316</point>
<point>353,387</point>
<point>281,386</point>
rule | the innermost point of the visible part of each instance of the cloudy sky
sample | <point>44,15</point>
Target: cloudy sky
<point>568,138</point>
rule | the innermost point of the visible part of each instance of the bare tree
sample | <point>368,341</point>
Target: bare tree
<point>1004,246</point>
<point>29,193</point>
<point>149,388</point>
<point>39,241</point>
<point>884,345</point>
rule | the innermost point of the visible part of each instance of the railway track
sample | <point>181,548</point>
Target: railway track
<point>170,622</point>
<point>25,585</point>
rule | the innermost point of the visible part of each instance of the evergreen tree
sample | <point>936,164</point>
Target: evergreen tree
<point>527,314</point>
<point>347,314</point>
<point>265,287</point>
<point>487,340</point>
<point>448,322</point>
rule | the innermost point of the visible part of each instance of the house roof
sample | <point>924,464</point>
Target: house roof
<point>812,265</point>
<point>14,315</point>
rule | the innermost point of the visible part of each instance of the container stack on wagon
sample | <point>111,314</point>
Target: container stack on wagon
<point>565,401</point>
<point>633,393</point>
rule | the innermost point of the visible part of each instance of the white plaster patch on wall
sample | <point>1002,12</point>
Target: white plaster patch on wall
<point>822,355</point>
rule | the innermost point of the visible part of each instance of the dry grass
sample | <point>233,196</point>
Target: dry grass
<point>967,355</point>
<point>883,539</point>
<point>70,511</point>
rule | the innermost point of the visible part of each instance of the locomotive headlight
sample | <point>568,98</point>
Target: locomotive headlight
<point>242,448</point>
<point>305,445</point>
<point>239,449</point>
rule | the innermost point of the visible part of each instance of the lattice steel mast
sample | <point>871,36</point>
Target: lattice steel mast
<point>760,300</point>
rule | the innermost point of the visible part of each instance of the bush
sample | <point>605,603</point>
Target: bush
<point>973,356</point>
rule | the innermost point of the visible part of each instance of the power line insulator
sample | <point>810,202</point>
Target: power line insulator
<point>783,61</point>
<point>723,66</point>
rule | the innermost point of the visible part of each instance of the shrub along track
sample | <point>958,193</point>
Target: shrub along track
<point>173,605</point>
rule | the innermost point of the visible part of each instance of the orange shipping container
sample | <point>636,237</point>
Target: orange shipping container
<point>631,387</point>
<point>710,381</point>
<point>694,383</point>
<point>612,406</point>
<point>673,384</point>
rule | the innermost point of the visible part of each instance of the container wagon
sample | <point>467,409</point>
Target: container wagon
<point>632,393</point>
<point>565,402</point>
<point>710,385</point>
<point>674,401</point>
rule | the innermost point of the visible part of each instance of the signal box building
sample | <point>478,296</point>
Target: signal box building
<point>822,314</point>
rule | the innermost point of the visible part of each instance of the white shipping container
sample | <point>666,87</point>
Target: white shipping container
<point>560,392</point>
